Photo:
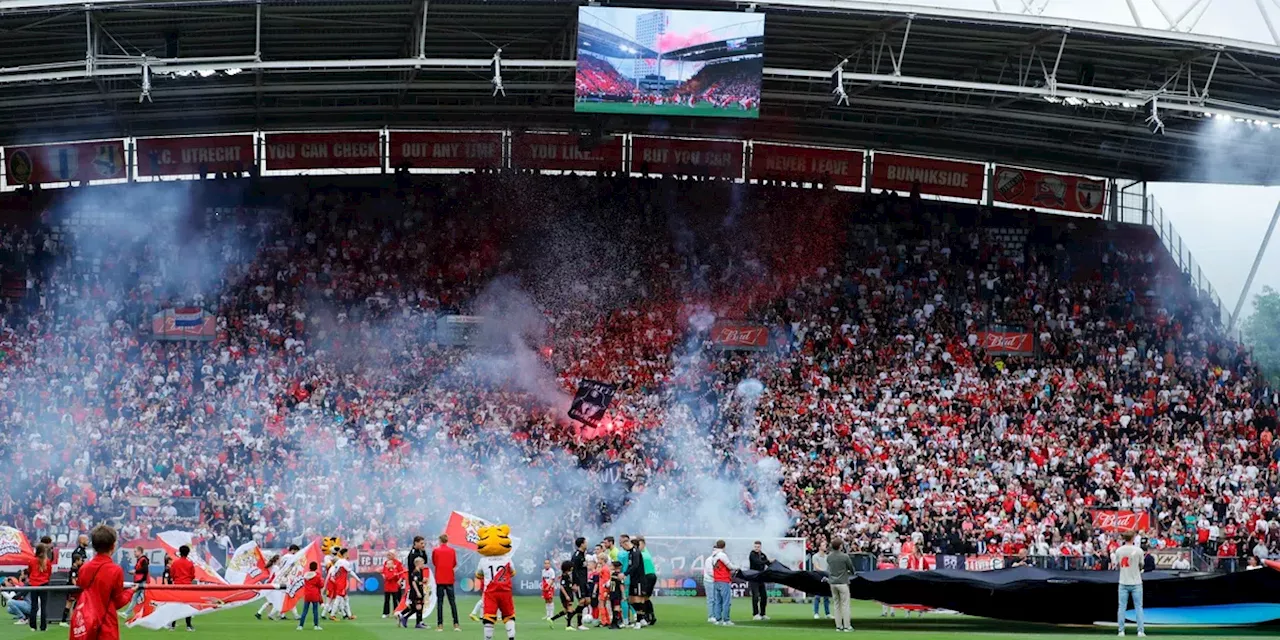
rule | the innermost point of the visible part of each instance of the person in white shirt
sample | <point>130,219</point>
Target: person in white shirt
<point>1129,560</point>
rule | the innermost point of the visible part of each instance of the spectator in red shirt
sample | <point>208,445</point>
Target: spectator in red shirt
<point>105,579</point>
<point>445,560</point>
<point>183,572</point>
<point>393,573</point>
<point>38,573</point>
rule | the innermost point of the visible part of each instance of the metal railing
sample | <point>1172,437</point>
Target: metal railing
<point>1140,208</point>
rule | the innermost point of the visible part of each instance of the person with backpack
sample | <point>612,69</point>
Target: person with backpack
<point>102,592</point>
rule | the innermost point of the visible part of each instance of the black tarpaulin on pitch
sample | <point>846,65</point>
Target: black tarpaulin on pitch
<point>1036,595</point>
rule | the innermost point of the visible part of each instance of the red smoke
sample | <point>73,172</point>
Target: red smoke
<point>672,41</point>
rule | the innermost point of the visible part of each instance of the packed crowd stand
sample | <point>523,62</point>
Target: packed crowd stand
<point>596,77</point>
<point>324,395</point>
<point>734,82</point>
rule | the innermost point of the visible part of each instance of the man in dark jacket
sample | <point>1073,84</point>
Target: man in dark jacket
<point>758,561</point>
<point>419,550</point>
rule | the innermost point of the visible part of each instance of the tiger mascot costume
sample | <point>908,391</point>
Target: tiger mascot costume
<point>497,571</point>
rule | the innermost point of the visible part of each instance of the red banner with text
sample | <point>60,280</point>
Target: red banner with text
<point>65,162</point>
<point>562,152</point>
<point>356,150</point>
<point>739,336</point>
<point>1120,521</point>
<point>716,158</point>
<point>1007,343</point>
<point>446,150</point>
<point>185,156</point>
<point>806,164</point>
<point>948,178</point>
<point>1030,188</point>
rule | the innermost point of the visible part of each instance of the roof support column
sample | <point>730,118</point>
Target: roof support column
<point>1204,93</point>
<point>422,30</point>
<point>1253,271</point>
<point>1266,18</point>
<point>257,31</point>
<point>1051,77</point>
<point>902,51</point>
<point>89,56</point>
<point>1133,11</point>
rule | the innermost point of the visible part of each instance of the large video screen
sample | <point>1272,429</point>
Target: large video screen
<point>669,62</point>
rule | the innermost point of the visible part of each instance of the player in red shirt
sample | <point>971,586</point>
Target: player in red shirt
<point>548,587</point>
<point>105,579</point>
<point>183,571</point>
<point>341,575</point>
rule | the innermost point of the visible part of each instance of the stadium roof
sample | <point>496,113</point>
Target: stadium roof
<point>1033,90</point>
<point>599,41</point>
<point>753,45</point>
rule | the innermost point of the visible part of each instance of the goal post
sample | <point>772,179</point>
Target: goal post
<point>679,560</point>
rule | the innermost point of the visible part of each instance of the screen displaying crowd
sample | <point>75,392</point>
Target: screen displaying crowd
<point>325,407</point>
<point>694,63</point>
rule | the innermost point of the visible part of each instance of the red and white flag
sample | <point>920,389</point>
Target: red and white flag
<point>247,566</point>
<point>15,549</point>
<point>292,576</point>
<point>165,604</point>
<point>463,530</point>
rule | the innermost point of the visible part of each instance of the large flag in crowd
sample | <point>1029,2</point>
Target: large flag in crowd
<point>161,605</point>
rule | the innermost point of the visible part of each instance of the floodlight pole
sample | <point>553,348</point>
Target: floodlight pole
<point>1257,260</point>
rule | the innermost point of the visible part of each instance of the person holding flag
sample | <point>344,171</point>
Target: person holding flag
<point>273,565</point>
<point>287,561</point>
<point>101,582</point>
<point>183,572</point>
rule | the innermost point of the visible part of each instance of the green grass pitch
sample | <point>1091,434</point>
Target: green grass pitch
<point>666,109</point>
<point>678,619</point>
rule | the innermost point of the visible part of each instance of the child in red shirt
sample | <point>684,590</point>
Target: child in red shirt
<point>312,586</point>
